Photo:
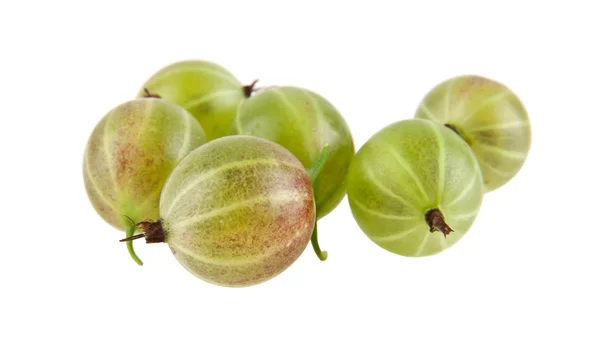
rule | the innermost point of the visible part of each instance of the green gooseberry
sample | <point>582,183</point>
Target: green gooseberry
<point>415,188</point>
<point>489,117</point>
<point>207,90</point>
<point>236,212</point>
<point>129,155</point>
<point>303,122</point>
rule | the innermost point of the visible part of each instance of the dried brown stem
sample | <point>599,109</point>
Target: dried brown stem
<point>152,231</point>
<point>249,89</point>
<point>149,94</point>
<point>453,128</point>
<point>436,222</point>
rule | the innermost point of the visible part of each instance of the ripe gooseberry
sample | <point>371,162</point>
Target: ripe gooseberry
<point>129,155</point>
<point>303,122</point>
<point>207,90</point>
<point>489,117</point>
<point>236,211</point>
<point>415,188</point>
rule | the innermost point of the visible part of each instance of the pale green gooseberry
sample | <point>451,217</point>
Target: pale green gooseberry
<point>489,117</point>
<point>415,188</point>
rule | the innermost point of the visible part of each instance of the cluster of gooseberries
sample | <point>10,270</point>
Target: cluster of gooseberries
<point>234,178</point>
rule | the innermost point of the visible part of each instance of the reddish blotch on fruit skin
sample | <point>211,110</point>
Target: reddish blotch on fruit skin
<point>130,153</point>
<point>237,211</point>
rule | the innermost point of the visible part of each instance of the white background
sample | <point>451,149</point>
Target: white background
<point>523,280</point>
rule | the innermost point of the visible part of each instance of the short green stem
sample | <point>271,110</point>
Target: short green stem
<point>313,173</point>
<point>130,230</point>
<point>314,240</point>
<point>315,170</point>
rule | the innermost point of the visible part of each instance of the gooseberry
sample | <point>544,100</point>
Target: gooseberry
<point>303,122</point>
<point>129,155</point>
<point>489,117</point>
<point>207,90</point>
<point>237,211</point>
<point>415,188</point>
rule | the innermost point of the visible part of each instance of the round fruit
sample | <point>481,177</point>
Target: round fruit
<point>489,117</point>
<point>129,155</point>
<point>235,212</point>
<point>207,90</point>
<point>415,188</point>
<point>304,123</point>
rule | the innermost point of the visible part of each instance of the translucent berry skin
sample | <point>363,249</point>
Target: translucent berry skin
<point>238,211</point>
<point>489,117</point>
<point>405,170</point>
<point>303,122</point>
<point>207,90</point>
<point>130,153</point>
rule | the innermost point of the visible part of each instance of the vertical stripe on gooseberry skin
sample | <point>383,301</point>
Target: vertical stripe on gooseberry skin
<point>185,145</point>
<point>387,191</point>
<point>448,93</point>
<point>245,229</point>
<point>419,146</point>
<point>249,202</point>
<point>441,162</point>
<point>373,195</point>
<point>501,126</point>
<point>464,192</point>
<point>503,94</point>
<point>425,112</point>
<point>382,227</point>
<point>317,119</point>
<point>423,243</point>
<point>96,151</point>
<point>172,199</point>
<point>493,149</point>
<point>104,207</point>
<point>463,182</point>
<point>309,144</point>
<point>232,186</point>
<point>271,115</point>
<point>396,236</point>
<point>410,171</point>
<point>140,151</point>
<point>190,105</point>
<point>383,215</point>
<point>100,185</point>
<point>108,154</point>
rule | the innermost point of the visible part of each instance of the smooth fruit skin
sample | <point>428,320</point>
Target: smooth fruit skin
<point>130,153</point>
<point>489,117</point>
<point>207,90</point>
<point>303,122</point>
<point>405,170</point>
<point>238,211</point>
